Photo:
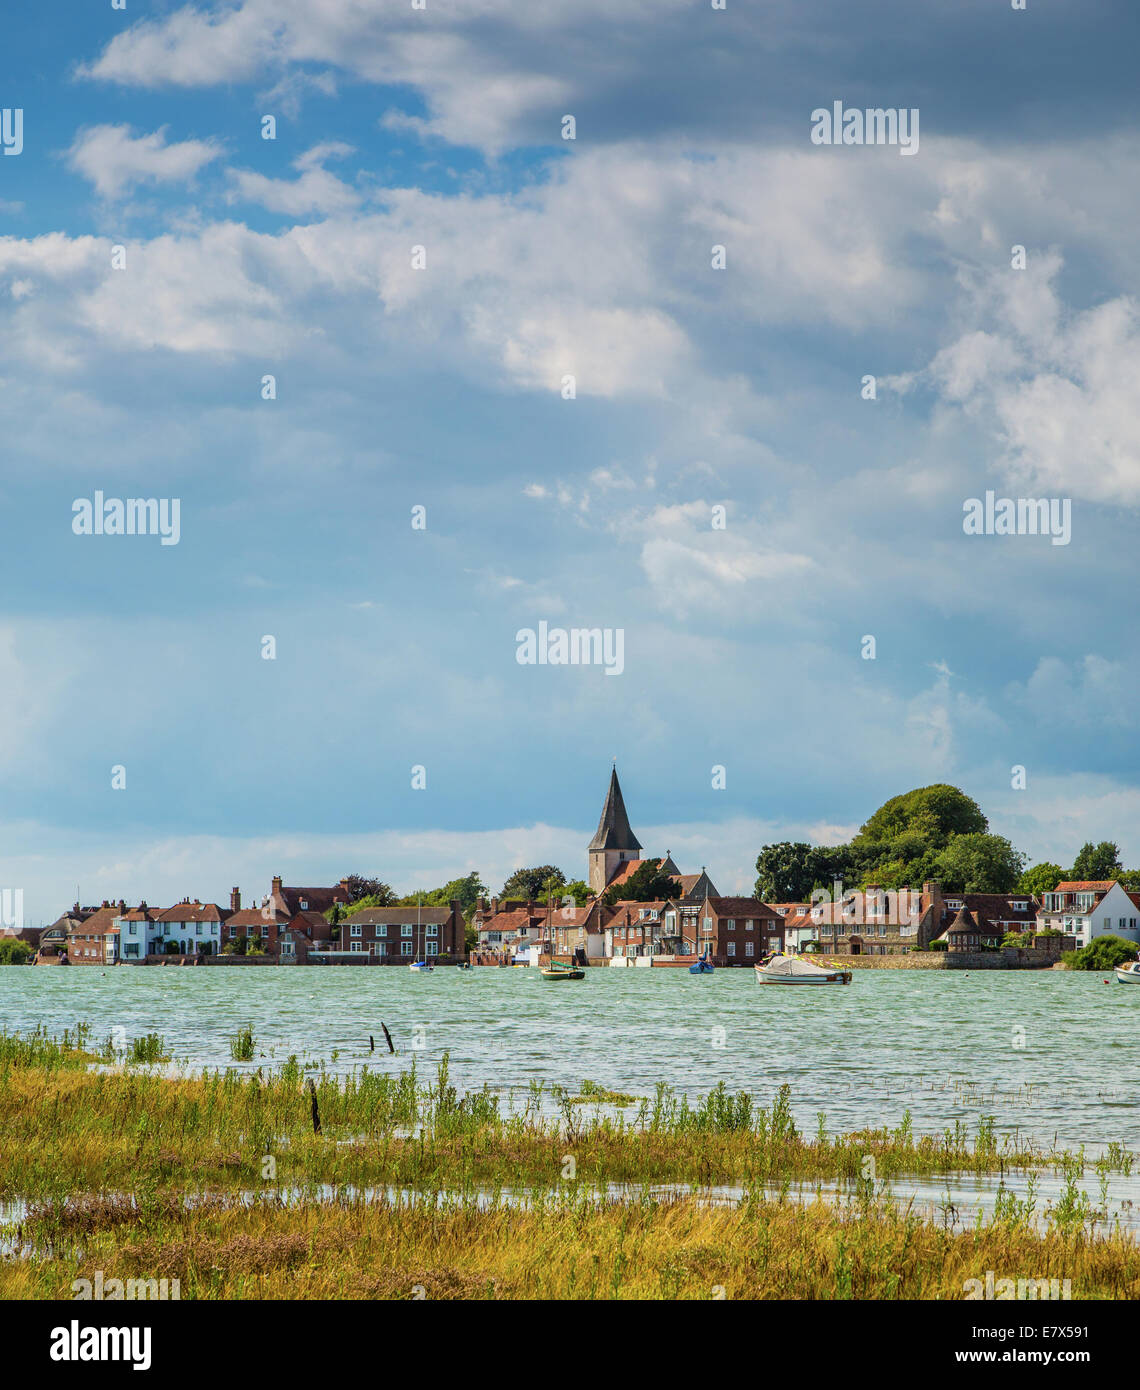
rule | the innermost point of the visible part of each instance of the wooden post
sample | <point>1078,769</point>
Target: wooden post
<point>387,1036</point>
<point>316,1112</point>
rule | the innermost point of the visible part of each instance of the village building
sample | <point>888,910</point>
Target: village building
<point>969,933</point>
<point>878,922</point>
<point>293,900</point>
<point>1085,910</point>
<point>400,935</point>
<point>95,939</point>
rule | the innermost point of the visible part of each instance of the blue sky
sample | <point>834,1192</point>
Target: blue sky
<point>441,388</point>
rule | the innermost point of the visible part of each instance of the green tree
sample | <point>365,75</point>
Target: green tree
<point>13,951</point>
<point>645,885</point>
<point>1040,879</point>
<point>360,887</point>
<point>577,889</point>
<point>468,890</point>
<point>786,872</point>
<point>978,863</point>
<point>528,884</point>
<point>937,813</point>
<point>1105,953</point>
<point>1097,863</point>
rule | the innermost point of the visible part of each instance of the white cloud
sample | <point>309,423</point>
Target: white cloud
<point>114,160</point>
<point>316,191</point>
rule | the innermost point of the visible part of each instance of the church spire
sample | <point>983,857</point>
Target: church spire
<point>613,828</point>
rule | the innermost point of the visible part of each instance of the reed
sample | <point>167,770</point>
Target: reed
<point>566,1245</point>
<point>67,1128</point>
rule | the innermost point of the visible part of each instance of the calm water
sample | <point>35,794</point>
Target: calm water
<point>1049,1053</point>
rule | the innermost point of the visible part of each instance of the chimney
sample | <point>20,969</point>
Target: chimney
<point>277,884</point>
<point>235,899</point>
<point>495,909</point>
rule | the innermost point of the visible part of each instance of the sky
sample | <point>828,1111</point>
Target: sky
<point>140,374</point>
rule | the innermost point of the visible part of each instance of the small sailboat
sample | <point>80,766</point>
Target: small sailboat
<point>1128,973</point>
<point>778,969</point>
<point>703,965</point>
<point>420,967</point>
<point>557,971</point>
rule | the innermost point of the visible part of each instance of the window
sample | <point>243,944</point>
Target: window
<point>731,924</point>
<point>405,948</point>
<point>381,930</point>
<point>748,948</point>
<point>406,930</point>
<point>264,930</point>
<point>749,925</point>
<point>358,945</point>
<point>433,948</point>
<point>198,928</point>
<point>433,929</point>
<point>380,948</point>
<point>732,948</point>
<point>355,930</point>
<point>304,904</point>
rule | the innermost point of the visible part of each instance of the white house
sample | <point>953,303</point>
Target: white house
<point>1087,910</point>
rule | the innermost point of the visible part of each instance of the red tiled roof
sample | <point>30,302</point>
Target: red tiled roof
<point>1084,886</point>
<point>744,907</point>
<point>190,912</point>
<point>101,923</point>
<point>255,917</point>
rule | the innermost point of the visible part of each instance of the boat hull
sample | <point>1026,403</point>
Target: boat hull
<point>1124,976</point>
<point>562,974</point>
<point>837,977</point>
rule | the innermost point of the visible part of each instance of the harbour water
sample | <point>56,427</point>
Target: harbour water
<point>1048,1053</point>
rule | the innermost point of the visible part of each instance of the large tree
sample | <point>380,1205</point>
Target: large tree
<point>979,863</point>
<point>468,890</point>
<point>936,813</point>
<point>373,888</point>
<point>1097,863</point>
<point>528,884</point>
<point>785,872</point>
<point>1040,879</point>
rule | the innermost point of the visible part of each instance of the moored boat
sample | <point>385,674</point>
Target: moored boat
<point>1129,973</point>
<point>556,971</point>
<point>795,970</point>
<point>421,967</point>
<point>702,965</point>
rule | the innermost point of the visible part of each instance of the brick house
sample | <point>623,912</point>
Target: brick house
<point>95,940</point>
<point>263,923</point>
<point>878,922</point>
<point>738,931</point>
<point>400,935</point>
<point>292,943</point>
<point>290,901</point>
<point>509,925</point>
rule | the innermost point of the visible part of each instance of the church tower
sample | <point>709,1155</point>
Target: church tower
<point>614,842</point>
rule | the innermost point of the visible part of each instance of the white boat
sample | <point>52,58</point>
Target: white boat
<point>795,970</point>
<point>1129,974</point>
<point>420,966</point>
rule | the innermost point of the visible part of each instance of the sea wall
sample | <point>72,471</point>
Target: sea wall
<point>1009,958</point>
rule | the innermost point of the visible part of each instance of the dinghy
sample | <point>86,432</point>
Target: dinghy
<point>420,966</point>
<point>702,966</point>
<point>1129,973</point>
<point>556,971</point>
<point>795,970</point>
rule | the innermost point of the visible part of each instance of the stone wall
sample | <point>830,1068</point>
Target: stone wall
<point>1009,958</point>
